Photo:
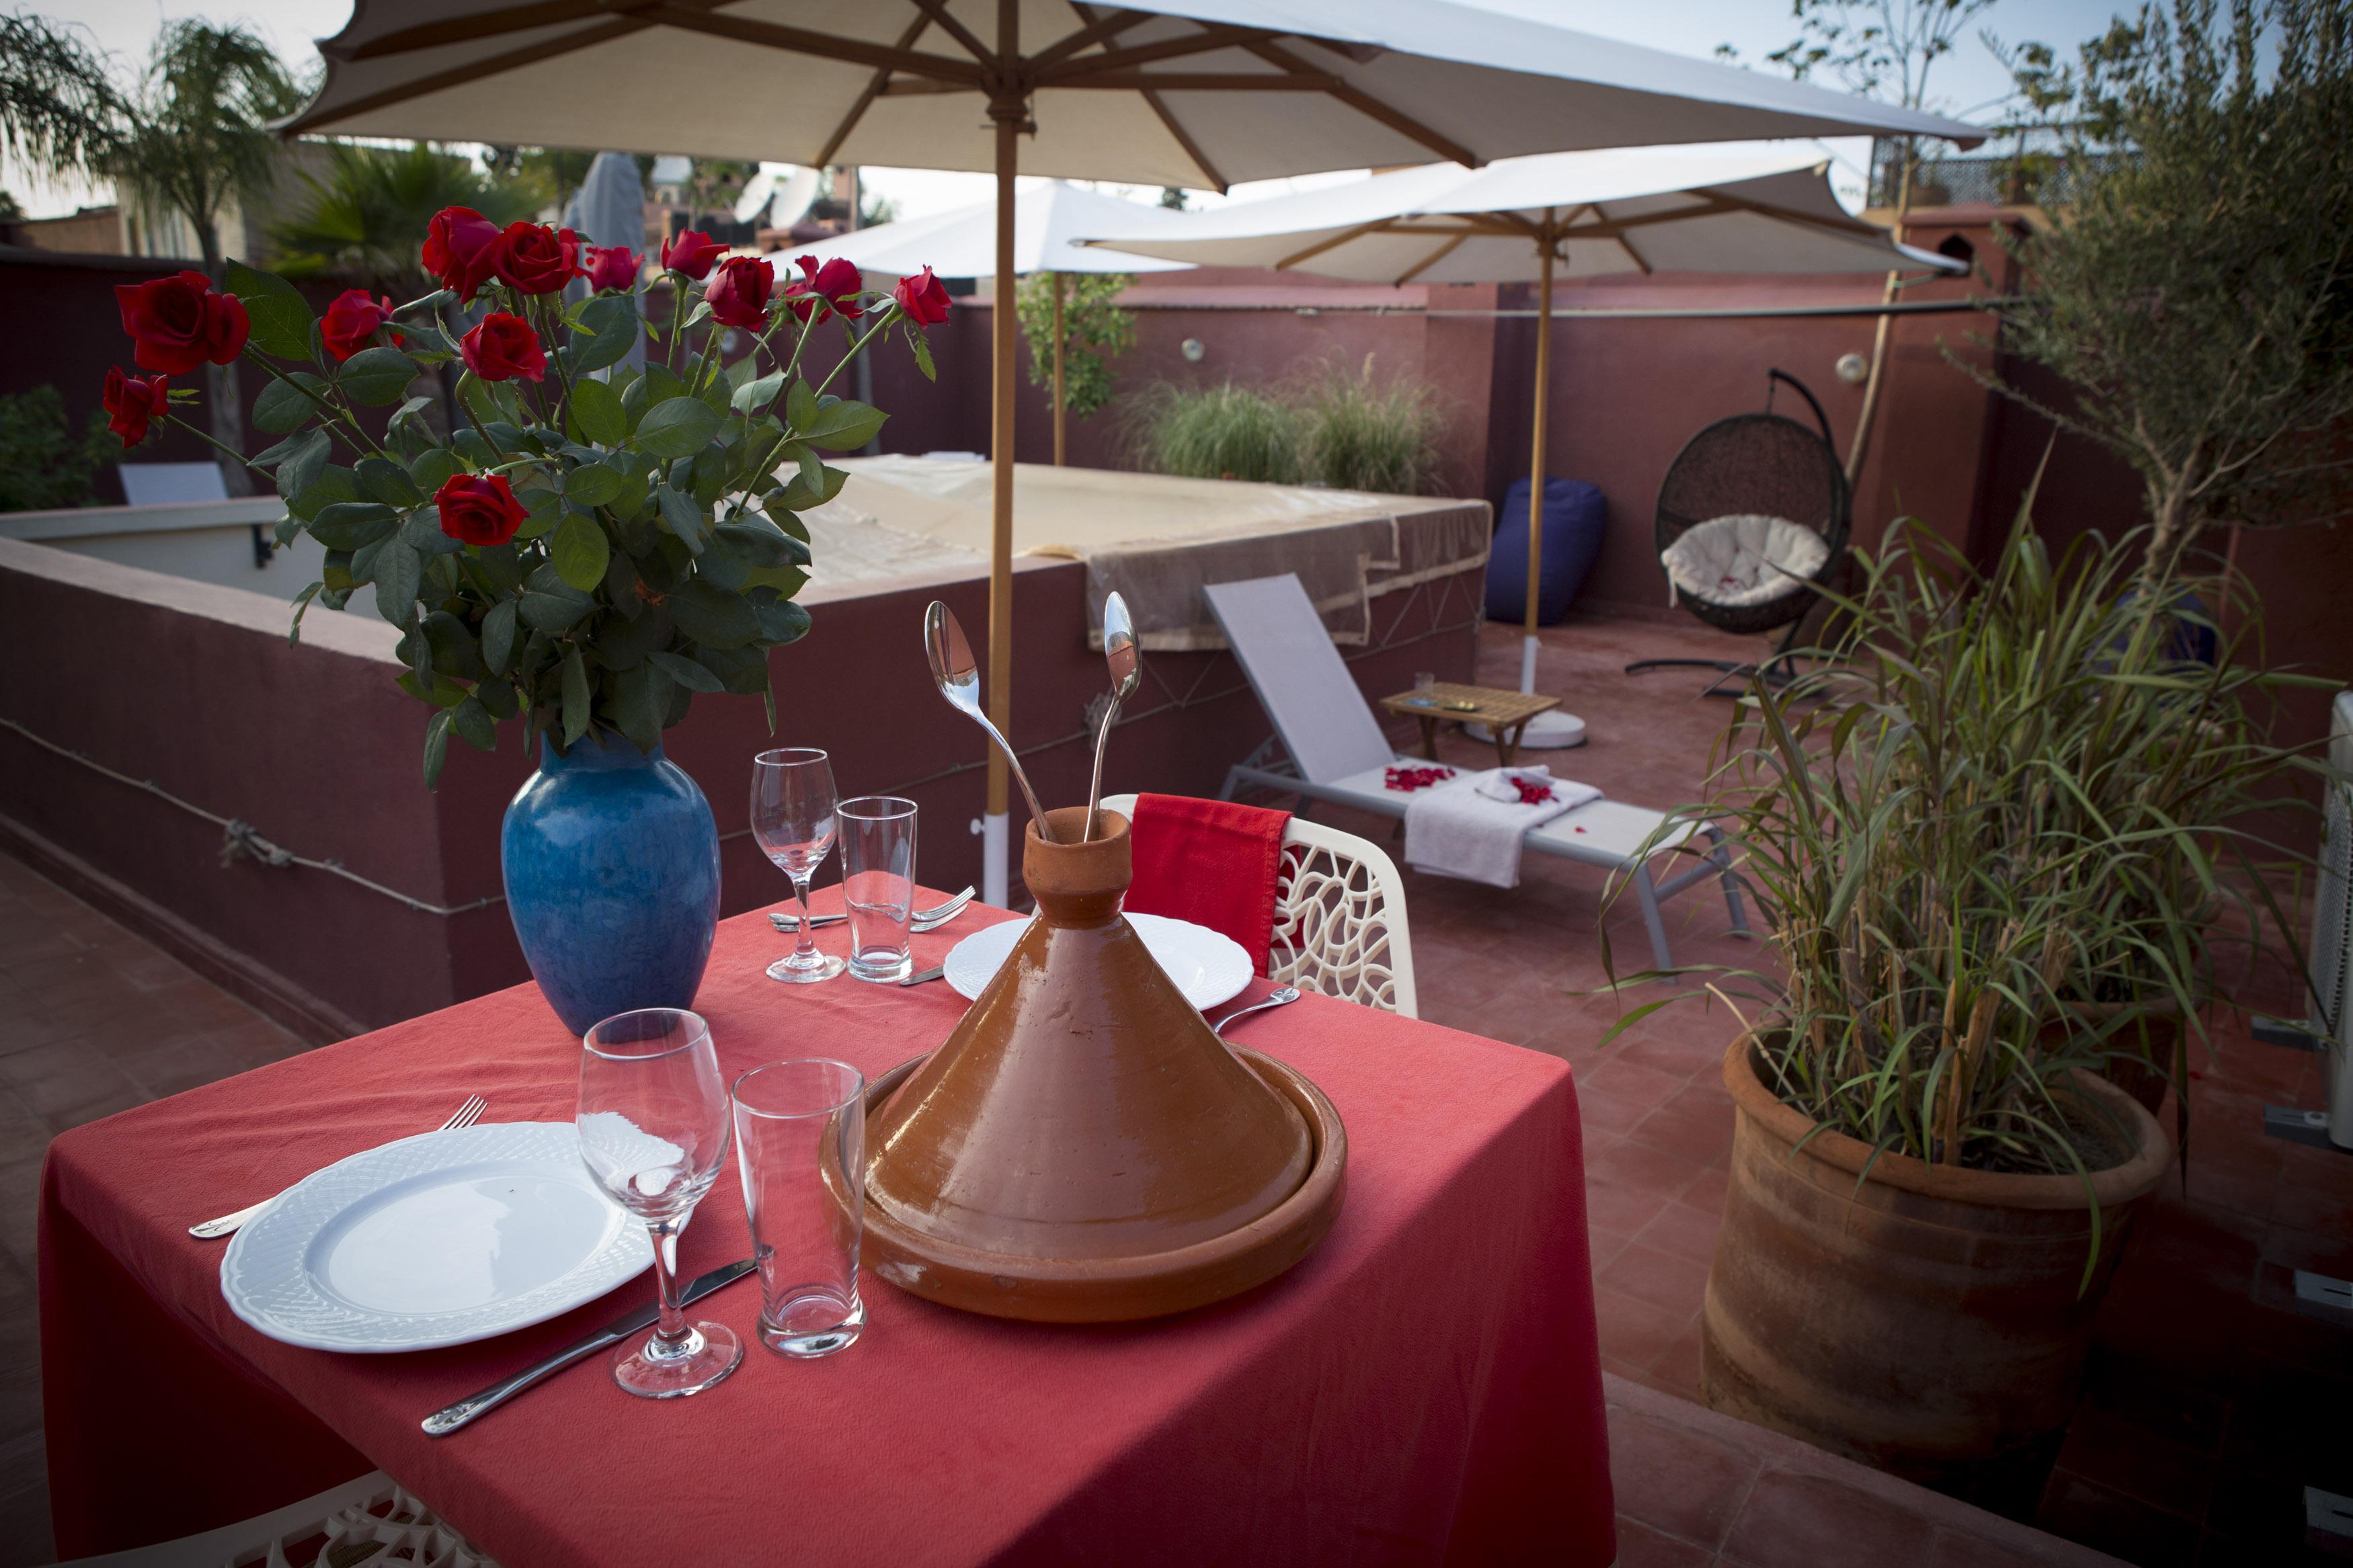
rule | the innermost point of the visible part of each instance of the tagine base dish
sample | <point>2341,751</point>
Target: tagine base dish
<point>1119,1289</point>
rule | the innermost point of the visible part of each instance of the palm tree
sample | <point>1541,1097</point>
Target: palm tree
<point>58,112</point>
<point>361,221</point>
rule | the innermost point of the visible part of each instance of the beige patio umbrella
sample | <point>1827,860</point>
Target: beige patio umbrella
<point>1639,209</point>
<point>1175,92</point>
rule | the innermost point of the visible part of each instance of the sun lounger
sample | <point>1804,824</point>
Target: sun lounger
<point>1327,745</point>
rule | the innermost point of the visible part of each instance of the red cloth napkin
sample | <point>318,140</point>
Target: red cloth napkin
<point>1211,862</point>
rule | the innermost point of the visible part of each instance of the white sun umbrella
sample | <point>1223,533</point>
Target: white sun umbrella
<point>1174,92</point>
<point>1640,209</point>
<point>1049,218</point>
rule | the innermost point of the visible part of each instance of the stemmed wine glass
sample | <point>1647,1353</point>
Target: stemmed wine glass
<point>653,1123</point>
<point>792,817</point>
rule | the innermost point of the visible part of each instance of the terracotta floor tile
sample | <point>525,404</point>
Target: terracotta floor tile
<point>1636,1332</point>
<point>1811,1521</point>
<point>1642,1169</point>
<point>1678,1482</point>
<point>1952,1549</point>
<point>1697,1120</point>
<point>2148,1537</point>
<point>1679,1367</point>
<point>1685,1231</point>
<point>1598,1111</point>
<point>1640,1546</point>
<point>1661,1279</point>
<point>2137,1463</point>
<point>1709,1191</point>
<point>1602,1245</point>
<point>62,1077</point>
<point>1633,1081</point>
<point>1622,1209</point>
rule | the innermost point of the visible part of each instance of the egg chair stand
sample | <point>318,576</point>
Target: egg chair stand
<point>1757,468</point>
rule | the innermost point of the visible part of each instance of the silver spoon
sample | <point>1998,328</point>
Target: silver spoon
<point>1125,662</point>
<point>1281,997</point>
<point>957,675</point>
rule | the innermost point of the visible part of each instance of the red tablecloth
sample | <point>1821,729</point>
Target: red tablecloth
<point>1424,1388</point>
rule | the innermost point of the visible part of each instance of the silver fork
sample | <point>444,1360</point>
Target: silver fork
<point>213,1229</point>
<point>921,919</point>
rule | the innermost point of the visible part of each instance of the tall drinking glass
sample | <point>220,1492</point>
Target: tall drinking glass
<point>878,884</point>
<point>792,817</point>
<point>800,1144</point>
<point>653,1131</point>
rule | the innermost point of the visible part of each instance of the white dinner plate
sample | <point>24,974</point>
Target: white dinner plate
<point>1209,966</point>
<point>435,1240</point>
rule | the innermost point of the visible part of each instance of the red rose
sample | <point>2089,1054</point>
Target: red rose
<point>352,320</point>
<point>691,252</point>
<point>739,291</point>
<point>502,348</point>
<point>835,284</point>
<point>479,509</point>
<point>131,402</point>
<point>178,323</point>
<point>924,296</point>
<point>458,244</point>
<point>537,259</point>
<point>615,267</point>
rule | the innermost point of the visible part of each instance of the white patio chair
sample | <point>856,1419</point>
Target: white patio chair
<point>1327,745</point>
<point>406,1534</point>
<point>1339,917</point>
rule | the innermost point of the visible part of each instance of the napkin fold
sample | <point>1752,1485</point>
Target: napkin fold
<point>1472,825</point>
<point>1211,862</point>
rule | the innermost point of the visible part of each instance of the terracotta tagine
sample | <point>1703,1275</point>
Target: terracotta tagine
<point>1082,1148</point>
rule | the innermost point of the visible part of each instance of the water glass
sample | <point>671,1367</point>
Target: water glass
<point>878,884</point>
<point>793,818</point>
<point>653,1132</point>
<point>801,1144</point>
<point>1425,682</point>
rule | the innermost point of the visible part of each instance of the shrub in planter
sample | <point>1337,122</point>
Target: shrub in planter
<point>1989,832</point>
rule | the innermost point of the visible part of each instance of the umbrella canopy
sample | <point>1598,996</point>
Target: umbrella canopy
<point>1185,92</point>
<point>1641,209</point>
<point>1050,220</point>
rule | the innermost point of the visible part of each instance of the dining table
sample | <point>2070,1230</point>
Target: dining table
<point>1424,1387</point>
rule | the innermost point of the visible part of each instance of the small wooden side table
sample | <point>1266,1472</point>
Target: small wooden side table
<point>1505,712</point>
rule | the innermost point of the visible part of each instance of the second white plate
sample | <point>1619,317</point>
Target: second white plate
<point>1208,966</point>
<point>434,1240</point>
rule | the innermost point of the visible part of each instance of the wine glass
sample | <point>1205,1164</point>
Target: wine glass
<point>792,817</point>
<point>653,1123</point>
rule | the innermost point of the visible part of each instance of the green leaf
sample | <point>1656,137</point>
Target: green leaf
<point>800,493</point>
<point>841,426</point>
<point>624,643</point>
<point>437,747</point>
<point>280,318</point>
<point>686,672</point>
<point>800,405</point>
<point>678,428</point>
<point>712,614</point>
<point>409,411</point>
<point>683,518</point>
<point>433,467</point>
<point>455,652</point>
<point>579,551</point>
<point>543,508</point>
<point>592,485</point>
<point>305,460</point>
<point>388,482</point>
<point>640,703</point>
<point>398,570</point>
<point>723,566</point>
<point>595,413</point>
<point>334,484</point>
<point>475,397</point>
<point>922,347</point>
<point>786,580</point>
<point>608,342</point>
<point>498,636</point>
<point>376,376</point>
<point>781,620</point>
<point>281,406</point>
<point>754,395</point>
<point>421,532</point>
<point>474,725</point>
<point>349,525</point>
<point>551,605</point>
<point>576,698</point>
<point>762,542</point>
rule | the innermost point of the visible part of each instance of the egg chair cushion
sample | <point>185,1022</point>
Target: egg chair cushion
<point>1743,560</point>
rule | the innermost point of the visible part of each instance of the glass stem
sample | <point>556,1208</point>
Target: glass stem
<point>669,1328</point>
<point>807,948</point>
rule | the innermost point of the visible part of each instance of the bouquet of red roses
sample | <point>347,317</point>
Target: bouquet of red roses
<point>593,543</point>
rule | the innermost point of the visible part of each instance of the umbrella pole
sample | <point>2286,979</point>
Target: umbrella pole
<point>994,885</point>
<point>1058,370</point>
<point>1536,470</point>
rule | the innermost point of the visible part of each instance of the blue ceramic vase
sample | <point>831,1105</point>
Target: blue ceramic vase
<point>611,862</point>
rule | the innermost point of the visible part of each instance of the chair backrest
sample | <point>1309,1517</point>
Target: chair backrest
<point>1280,641</point>
<point>1339,917</point>
<point>165,484</point>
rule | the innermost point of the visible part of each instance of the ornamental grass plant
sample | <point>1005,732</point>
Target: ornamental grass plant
<point>1335,427</point>
<point>1359,434</point>
<point>1221,432</point>
<point>1992,830</point>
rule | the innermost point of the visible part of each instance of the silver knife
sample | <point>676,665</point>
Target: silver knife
<point>921,976</point>
<point>441,1422</point>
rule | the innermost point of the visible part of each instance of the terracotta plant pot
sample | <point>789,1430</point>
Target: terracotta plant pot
<point>1082,1148</point>
<point>1926,1321</point>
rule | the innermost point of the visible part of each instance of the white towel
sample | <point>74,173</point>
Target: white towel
<point>1471,826</point>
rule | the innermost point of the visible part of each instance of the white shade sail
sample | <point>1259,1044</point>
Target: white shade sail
<point>1195,92</point>
<point>1049,221</point>
<point>1639,209</point>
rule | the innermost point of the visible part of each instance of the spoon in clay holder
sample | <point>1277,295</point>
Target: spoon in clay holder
<point>1125,662</point>
<point>957,675</point>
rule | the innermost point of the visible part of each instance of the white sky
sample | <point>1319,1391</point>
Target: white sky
<point>1964,83</point>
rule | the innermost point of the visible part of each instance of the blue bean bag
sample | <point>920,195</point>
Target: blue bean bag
<point>1575,518</point>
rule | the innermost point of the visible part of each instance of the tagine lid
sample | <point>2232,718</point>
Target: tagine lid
<point>1083,1110</point>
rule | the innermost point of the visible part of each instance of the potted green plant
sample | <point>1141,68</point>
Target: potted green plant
<point>1984,830</point>
<point>596,546</point>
